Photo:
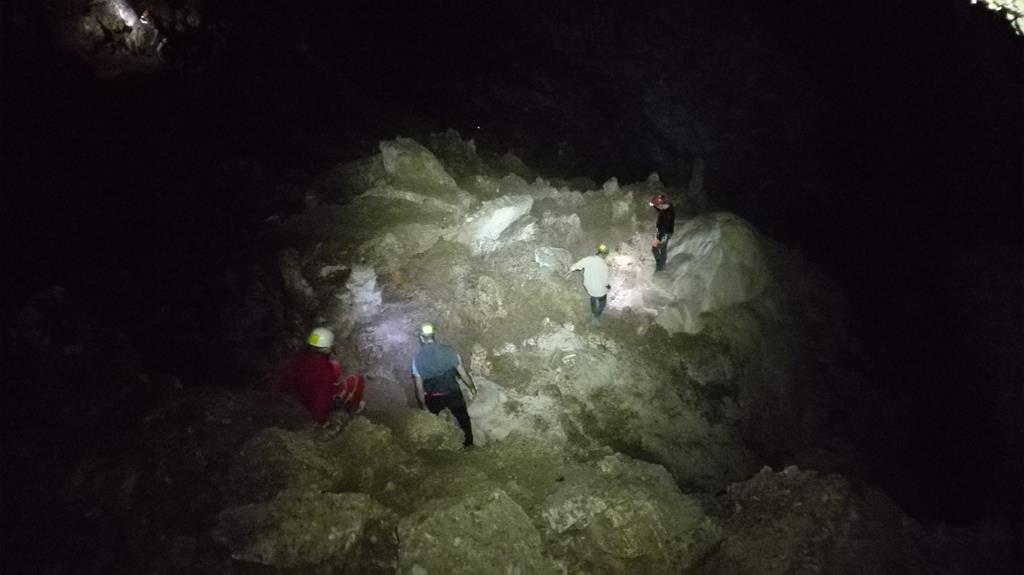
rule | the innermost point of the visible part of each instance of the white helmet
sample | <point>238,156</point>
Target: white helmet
<point>321,337</point>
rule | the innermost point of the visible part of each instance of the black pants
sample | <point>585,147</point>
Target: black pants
<point>597,304</point>
<point>661,253</point>
<point>457,405</point>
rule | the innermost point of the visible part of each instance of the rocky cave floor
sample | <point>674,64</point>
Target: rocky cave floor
<point>636,446</point>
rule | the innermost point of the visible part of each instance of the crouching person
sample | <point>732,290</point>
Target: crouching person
<point>313,377</point>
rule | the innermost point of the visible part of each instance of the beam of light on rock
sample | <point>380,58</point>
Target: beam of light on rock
<point>124,12</point>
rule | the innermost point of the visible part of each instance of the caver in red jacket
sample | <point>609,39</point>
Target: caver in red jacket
<point>312,377</point>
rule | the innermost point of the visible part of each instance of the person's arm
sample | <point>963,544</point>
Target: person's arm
<point>418,383</point>
<point>345,390</point>
<point>464,374</point>
<point>352,399</point>
<point>575,267</point>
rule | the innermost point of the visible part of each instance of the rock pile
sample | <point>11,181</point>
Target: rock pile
<point>599,449</point>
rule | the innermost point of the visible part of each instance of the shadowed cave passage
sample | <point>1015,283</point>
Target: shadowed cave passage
<point>843,292</point>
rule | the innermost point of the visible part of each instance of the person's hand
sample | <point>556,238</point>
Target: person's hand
<point>655,243</point>
<point>607,287</point>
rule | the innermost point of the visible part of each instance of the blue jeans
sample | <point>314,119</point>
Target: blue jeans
<point>661,252</point>
<point>597,304</point>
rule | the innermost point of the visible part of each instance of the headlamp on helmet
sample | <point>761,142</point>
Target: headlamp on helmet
<point>426,331</point>
<point>321,337</point>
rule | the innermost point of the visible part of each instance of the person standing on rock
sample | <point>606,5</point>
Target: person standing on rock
<point>666,225</point>
<point>595,280</point>
<point>313,377</point>
<point>436,371</point>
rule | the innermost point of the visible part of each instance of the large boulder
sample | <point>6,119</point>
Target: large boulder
<point>579,390</point>
<point>478,533</point>
<point>375,463</point>
<point>411,166</point>
<point>315,532</point>
<point>627,518</point>
<point>715,261</point>
<point>275,460</point>
<point>419,430</point>
<point>556,260</point>
<point>798,522</point>
<point>484,228</point>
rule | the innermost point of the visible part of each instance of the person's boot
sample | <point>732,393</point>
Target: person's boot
<point>595,321</point>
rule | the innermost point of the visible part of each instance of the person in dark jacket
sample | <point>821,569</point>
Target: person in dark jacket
<point>666,225</point>
<point>436,371</point>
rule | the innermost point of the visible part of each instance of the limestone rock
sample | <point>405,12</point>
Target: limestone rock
<point>375,463</point>
<point>482,230</point>
<point>630,518</point>
<point>275,459</point>
<point>481,532</point>
<point>458,156</point>
<point>561,229</point>
<point>555,259</point>
<point>794,521</point>
<point>419,205</point>
<point>365,296</point>
<point>523,230</point>
<point>715,261</point>
<point>412,166</point>
<point>419,430</point>
<point>299,292</point>
<point>218,422</point>
<point>1012,10</point>
<point>332,532</point>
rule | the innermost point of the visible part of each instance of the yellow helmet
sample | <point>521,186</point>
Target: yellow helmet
<point>321,337</point>
<point>602,248</point>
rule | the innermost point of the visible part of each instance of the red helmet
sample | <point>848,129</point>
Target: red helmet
<point>658,200</point>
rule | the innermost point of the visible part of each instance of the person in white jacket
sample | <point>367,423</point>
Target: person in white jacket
<point>595,280</point>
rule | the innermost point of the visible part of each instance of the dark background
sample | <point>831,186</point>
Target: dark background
<point>882,139</point>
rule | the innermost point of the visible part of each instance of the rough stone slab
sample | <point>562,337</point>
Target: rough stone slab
<point>419,430</point>
<point>556,259</point>
<point>628,518</point>
<point>275,460</point>
<point>482,532</point>
<point>337,532</point>
<point>482,230</point>
<point>407,162</point>
<point>715,261</point>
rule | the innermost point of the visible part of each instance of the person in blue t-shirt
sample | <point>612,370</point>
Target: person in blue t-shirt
<point>436,371</point>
